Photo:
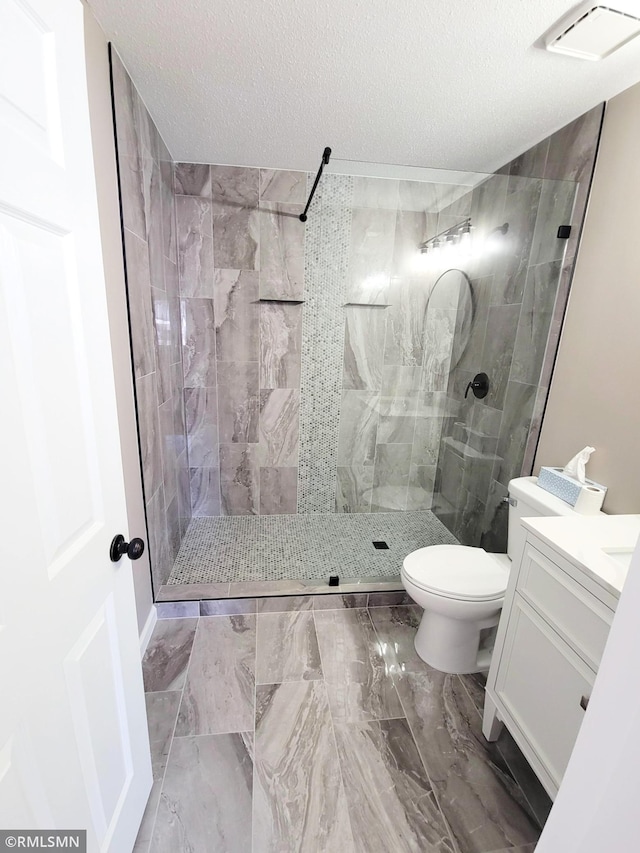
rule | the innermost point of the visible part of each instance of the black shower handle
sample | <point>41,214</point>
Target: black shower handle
<point>479,385</point>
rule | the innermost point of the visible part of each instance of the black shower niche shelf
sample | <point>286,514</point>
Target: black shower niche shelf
<point>365,305</point>
<point>286,301</point>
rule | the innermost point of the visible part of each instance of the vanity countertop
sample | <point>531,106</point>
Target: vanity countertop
<point>601,545</point>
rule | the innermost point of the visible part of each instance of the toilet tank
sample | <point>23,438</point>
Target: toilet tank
<point>528,500</point>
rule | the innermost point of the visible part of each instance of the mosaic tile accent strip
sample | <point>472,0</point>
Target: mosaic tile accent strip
<point>285,547</point>
<point>328,234</point>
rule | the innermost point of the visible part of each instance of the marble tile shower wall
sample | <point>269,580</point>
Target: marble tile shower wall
<point>520,297</point>
<point>310,382</point>
<point>148,217</point>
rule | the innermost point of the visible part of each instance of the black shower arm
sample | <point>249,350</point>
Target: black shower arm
<point>325,159</point>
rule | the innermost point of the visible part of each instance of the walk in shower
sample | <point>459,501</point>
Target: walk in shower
<point>302,389</point>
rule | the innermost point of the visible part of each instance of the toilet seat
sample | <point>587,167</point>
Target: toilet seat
<point>458,571</point>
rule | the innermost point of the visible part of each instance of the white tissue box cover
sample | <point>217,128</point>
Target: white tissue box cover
<point>555,481</point>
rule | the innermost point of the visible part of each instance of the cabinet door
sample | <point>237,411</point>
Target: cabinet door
<point>541,682</point>
<point>576,614</point>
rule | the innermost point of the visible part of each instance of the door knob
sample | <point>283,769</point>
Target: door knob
<point>479,385</point>
<point>134,549</point>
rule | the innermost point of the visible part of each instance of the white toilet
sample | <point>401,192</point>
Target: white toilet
<point>462,588</point>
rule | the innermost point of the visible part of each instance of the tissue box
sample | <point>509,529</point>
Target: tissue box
<point>563,486</point>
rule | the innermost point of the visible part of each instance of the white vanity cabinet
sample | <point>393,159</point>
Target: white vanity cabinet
<point>552,632</point>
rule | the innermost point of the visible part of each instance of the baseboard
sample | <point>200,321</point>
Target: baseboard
<point>147,631</point>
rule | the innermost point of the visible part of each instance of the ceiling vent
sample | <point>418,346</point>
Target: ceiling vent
<point>593,32</point>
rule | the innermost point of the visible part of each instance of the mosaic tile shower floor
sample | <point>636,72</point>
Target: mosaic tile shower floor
<point>292,547</point>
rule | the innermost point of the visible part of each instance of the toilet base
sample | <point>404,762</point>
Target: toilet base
<point>453,645</point>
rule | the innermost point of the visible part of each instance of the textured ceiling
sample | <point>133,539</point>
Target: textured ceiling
<point>456,84</point>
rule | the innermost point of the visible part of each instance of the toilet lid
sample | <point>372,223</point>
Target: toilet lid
<point>457,571</point>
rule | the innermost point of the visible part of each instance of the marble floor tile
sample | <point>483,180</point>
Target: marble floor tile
<point>391,804</point>
<point>205,804</point>
<point>350,601</point>
<point>388,599</point>
<point>358,685</point>
<point>287,648</point>
<point>373,585</point>
<point>165,662</point>
<point>484,807</point>
<point>278,587</point>
<point>219,691</point>
<point>143,838</point>
<point>285,603</point>
<point>177,609</point>
<point>192,591</point>
<point>228,607</point>
<point>298,799</point>
<point>162,710</point>
<point>475,685</point>
<point>535,794</point>
<point>396,627</point>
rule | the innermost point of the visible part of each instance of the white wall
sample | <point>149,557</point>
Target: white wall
<point>595,392</point>
<point>109,211</point>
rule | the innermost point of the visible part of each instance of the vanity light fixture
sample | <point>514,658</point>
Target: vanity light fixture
<point>448,237</point>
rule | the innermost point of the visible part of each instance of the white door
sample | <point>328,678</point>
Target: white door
<point>74,751</point>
